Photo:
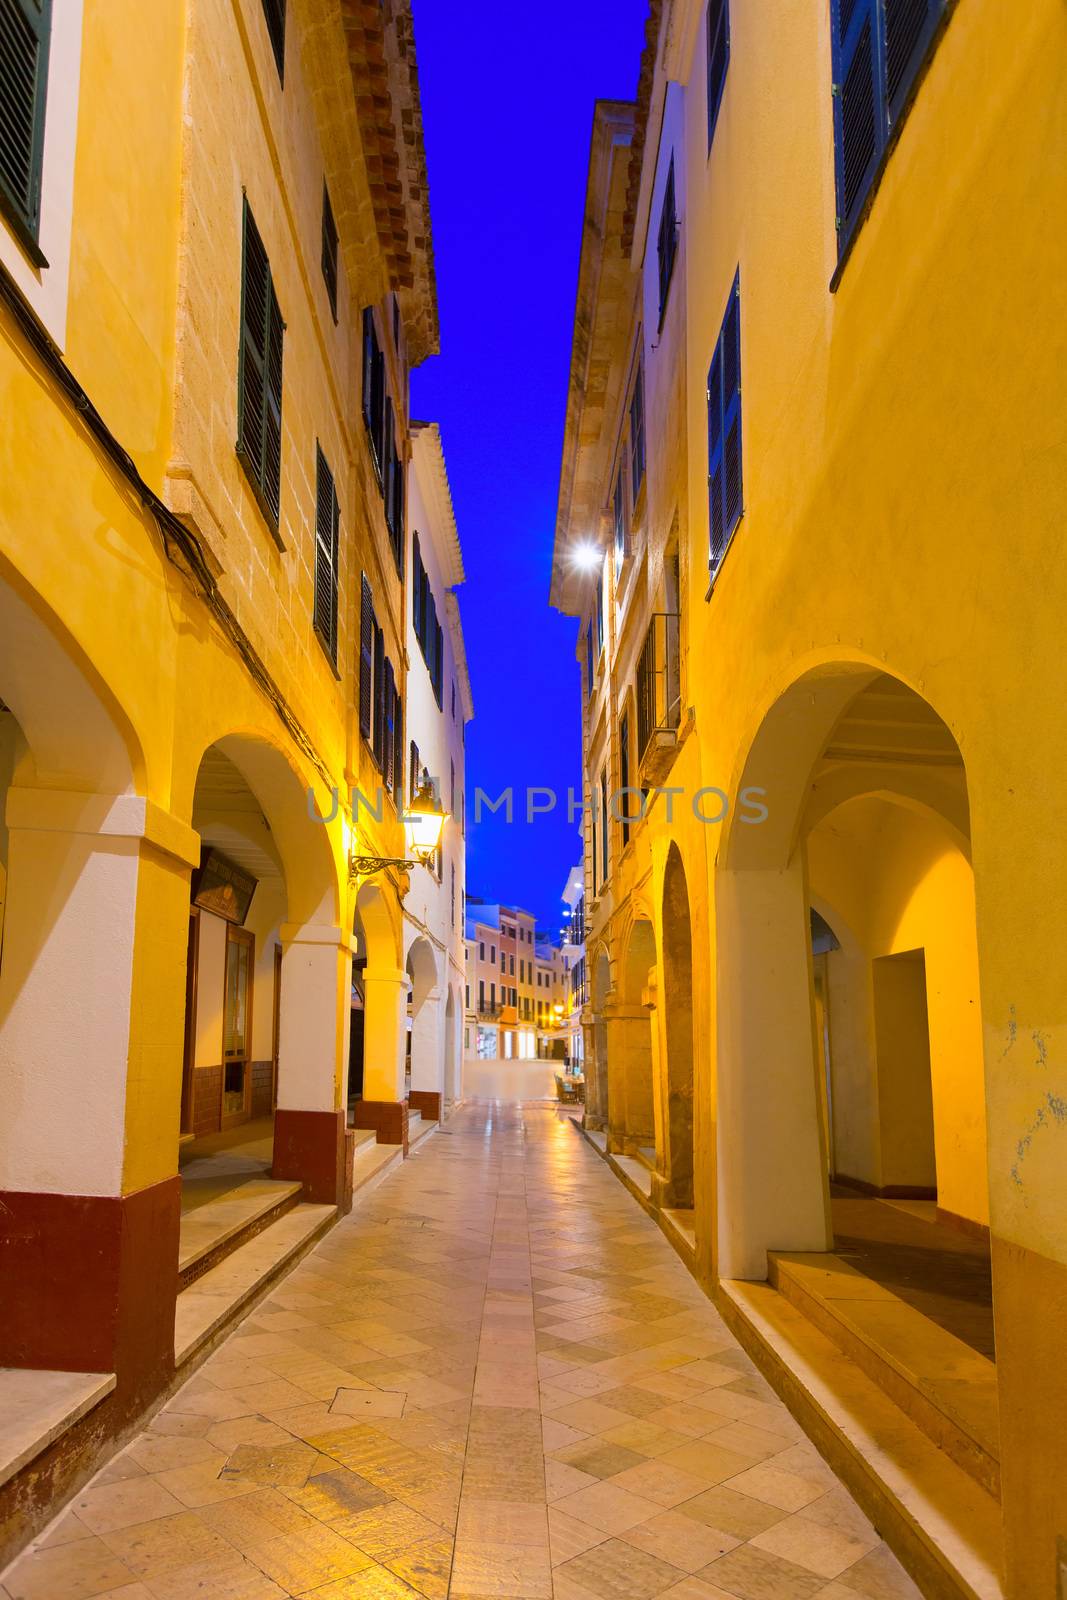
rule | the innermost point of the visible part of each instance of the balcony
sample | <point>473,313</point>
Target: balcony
<point>659,698</point>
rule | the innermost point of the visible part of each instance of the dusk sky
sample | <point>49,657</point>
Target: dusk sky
<point>507,98</point>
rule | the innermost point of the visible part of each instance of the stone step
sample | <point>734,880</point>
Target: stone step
<point>414,1124</point>
<point>38,1406</point>
<point>210,1232</point>
<point>372,1160</point>
<point>212,1302</point>
<point>946,1388</point>
<point>418,1128</point>
<point>939,1521</point>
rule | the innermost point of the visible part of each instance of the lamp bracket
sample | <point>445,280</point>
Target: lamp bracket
<point>367,866</point>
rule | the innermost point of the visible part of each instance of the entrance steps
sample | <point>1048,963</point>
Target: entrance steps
<point>210,1232</point>
<point>418,1128</point>
<point>936,1516</point>
<point>946,1388</point>
<point>212,1301</point>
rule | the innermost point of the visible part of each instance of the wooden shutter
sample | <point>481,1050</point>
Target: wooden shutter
<point>731,401</point>
<point>388,460</point>
<point>909,28</point>
<point>716,513</point>
<point>25,33</point>
<point>370,345</point>
<point>366,660</point>
<point>327,521</point>
<point>416,587</point>
<point>398,508</point>
<point>413,772</point>
<point>718,59</point>
<point>858,118</point>
<point>274,12</point>
<point>667,238</point>
<point>620,522</point>
<point>259,380</point>
<point>398,746</point>
<point>389,740</point>
<point>329,251</point>
<point>378,745</point>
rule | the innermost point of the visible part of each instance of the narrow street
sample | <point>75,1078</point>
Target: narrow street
<point>494,1378</point>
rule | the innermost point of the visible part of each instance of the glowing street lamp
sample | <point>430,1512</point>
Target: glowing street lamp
<point>424,822</point>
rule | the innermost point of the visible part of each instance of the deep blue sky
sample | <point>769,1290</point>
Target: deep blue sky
<point>507,98</point>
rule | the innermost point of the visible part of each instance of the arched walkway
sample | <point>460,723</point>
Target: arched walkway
<point>425,1023</point>
<point>384,986</point>
<point>677,1004</point>
<point>597,1077</point>
<point>632,1030</point>
<point>849,1044</point>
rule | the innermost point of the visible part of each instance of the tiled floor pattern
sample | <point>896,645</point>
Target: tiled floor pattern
<point>495,1379</point>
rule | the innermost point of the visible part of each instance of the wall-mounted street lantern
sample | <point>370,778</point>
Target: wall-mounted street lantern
<point>424,821</point>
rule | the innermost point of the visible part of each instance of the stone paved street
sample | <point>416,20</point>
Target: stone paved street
<point>494,1379</point>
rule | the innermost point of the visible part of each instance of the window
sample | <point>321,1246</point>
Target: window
<point>624,778</point>
<point>878,47</point>
<point>724,431</point>
<point>492,955</point>
<point>600,613</point>
<point>492,995</point>
<point>374,391</point>
<point>413,771</point>
<point>274,12</point>
<point>452,787</point>
<point>25,34</point>
<point>329,251</point>
<point>481,950</point>
<point>259,376</point>
<point>589,658</point>
<point>452,880</point>
<point>381,710</point>
<point>327,522</point>
<point>667,244</point>
<point>604,829</point>
<point>428,630</point>
<point>637,433</point>
<point>394,489</point>
<point>619,518</point>
<point>453,699</point>
<point>718,59</point>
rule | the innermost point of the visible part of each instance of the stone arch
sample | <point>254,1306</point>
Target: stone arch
<point>677,1005</point>
<point>425,1020</point>
<point>842,735</point>
<point>632,1026</point>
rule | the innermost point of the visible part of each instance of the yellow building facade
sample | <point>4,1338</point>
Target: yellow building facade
<point>212,289</point>
<point>817,345</point>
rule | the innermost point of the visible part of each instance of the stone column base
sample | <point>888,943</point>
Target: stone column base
<point>427,1102</point>
<point>388,1118</point>
<point>88,1284</point>
<point>315,1148</point>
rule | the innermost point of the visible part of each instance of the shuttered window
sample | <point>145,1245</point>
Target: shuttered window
<point>329,251</point>
<point>619,520</point>
<point>878,49</point>
<point>428,630</point>
<point>413,771</point>
<point>667,243</point>
<point>624,779</point>
<point>589,658</point>
<point>724,431</point>
<point>398,747</point>
<point>259,382</point>
<point>388,763</point>
<point>367,630</point>
<point>374,390</point>
<point>637,433</point>
<point>393,487</point>
<point>718,59</point>
<point>25,31</point>
<point>327,523</point>
<point>274,14</point>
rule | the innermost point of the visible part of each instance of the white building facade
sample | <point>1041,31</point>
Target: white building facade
<point>439,705</point>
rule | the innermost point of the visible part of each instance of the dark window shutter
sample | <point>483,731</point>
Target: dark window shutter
<point>25,33</point>
<point>369,348</point>
<point>379,698</point>
<point>718,59</point>
<point>667,242</point>
<point>858,113</point>
<point>366,660</point>
<point>637,432</point>
<point>259,379</point>
<point>329,251</point>
<point>624,777</point>
<point>388,460</point>
<point>398,746</point>
<point>716,513</point>
<point>731,400</point>
<point>909,26</point>
<point>619,513</point>
<point>327,519</point>
<point>398,508</point>
<point>413,771</point>
<point>274,12</point>
<point>416,587</point>
<point>389,742</point>
<point>439,662</point>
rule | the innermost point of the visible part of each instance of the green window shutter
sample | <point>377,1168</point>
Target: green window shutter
<point>259,378</point>
<point>25,31</point>
<point>329,251</point>
<point>274,15</point>
<point>327,523</point>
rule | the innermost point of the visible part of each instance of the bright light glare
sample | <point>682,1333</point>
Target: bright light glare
<point>586,556</point>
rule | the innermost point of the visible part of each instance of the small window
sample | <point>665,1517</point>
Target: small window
<point>274,12</point>
<point>327,523</point>
<point>718,59</point>
<point>374,391</point>
<point>637,433</point>
<point>259,376</point>
<point>624,778</point>
<point>667,245</point>
<point>878,48</point>
<point>25,33</point>
<point>600,613</point>
<point>619,520</point>
<point>329,251</point>
<point>725,502</point>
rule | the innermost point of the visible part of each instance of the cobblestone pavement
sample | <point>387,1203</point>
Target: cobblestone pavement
<point>494,1379</point>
